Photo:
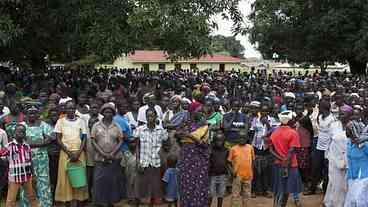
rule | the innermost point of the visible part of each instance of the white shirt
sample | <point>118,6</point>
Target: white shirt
<point>325,131</point>
<point>142,113</point>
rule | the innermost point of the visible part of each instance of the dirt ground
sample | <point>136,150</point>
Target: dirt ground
<point>307,201</point>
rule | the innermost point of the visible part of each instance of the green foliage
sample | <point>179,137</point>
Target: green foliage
<point>227,46</point>
<point>70,30</point>
<point>312,31</point>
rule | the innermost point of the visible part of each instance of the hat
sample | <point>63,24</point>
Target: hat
<point>255,104</point>
<point>285,117</point>
<point>107,106</point>
<point>290,95</point>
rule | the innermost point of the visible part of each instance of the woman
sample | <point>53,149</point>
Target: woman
<point>337,160</point>
<point>357,154</point>
<point>286,179</point>
<point>71,134</point>
<point>151,136</point>
<point>193,164</point>
<point>38,137</point>
<point>107,138</point>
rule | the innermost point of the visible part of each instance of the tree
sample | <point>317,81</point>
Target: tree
<point>70,30</point>
<point>227,45</point>
<point>313,31</point>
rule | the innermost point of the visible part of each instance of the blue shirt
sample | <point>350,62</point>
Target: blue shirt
<point>170,179</point>
<point>357,161</point>
<point>123,122</point>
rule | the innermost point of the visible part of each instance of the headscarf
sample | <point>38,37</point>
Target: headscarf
<point>285,117</point>
<point>346,108</point>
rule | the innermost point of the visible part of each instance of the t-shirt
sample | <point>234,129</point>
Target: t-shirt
<point>170,178</point>
<point>123,123</point>
<point>234,120</point>
<point>72,131</point>
<point>242,159</point>
<point>282,139</point>
<point>218,160</point>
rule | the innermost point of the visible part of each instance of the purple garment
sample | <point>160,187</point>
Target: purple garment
<point>193,175</point>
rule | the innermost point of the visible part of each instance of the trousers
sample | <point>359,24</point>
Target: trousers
<point>13,188</point>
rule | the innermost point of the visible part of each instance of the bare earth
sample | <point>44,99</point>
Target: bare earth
<point>307,201</point>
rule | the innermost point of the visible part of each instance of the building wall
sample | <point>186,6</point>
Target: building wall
<point>124,62</point>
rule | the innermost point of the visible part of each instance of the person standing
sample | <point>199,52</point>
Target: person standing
<point>241,157</point>
<point>39,138</point>
<point>193,164</point>
<point>286,178</point>
<point>107,138</point>
<point>357,154</point>
<point>151,136</point>
<point>337,160</point>
<point>19,154</point>
<point>218,168</point>
<point>71,134</point>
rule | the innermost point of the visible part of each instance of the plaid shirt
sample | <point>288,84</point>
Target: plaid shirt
<point>150,145</point>
<point>20,161</point>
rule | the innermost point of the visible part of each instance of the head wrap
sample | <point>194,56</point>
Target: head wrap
<point>290,95</point>
<point>346,108</point>
<point>107,106</point>
<point>285,117</point>
<point>355,94</point>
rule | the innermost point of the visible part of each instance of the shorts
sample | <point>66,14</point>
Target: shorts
<point>218,186</point>
<point>242,188</point>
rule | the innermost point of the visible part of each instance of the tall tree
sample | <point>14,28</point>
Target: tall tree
<point>313,31</point>
<point>69,30</point>
<point>227,45</point>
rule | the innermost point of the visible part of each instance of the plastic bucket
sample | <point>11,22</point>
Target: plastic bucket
<point>76,172</point>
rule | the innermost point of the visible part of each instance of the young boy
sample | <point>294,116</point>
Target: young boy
<point>241,157</point>
<point>20,168</point>
<point>129,164</point>
<point>218,168</point>
<point>171,181</point>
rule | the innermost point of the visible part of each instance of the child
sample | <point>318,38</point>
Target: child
<point>218,168</point>
<point>129,164</point>
<point>170,180</point>
<point>20,168</point>
<point>241,157</point>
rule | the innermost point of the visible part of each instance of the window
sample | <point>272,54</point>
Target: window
<point>161,66</point>
<point>145,67</point>
<point>177,66</point>
<point>222,67</point>
<point>193,66</point>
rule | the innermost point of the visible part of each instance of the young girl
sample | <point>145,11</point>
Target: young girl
<point>170,180</point>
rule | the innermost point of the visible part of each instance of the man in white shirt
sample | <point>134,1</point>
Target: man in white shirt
<point>151,103</point>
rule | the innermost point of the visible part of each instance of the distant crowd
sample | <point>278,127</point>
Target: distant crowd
<point>183,138</point>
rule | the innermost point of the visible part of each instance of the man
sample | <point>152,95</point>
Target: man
<point>121,119</point>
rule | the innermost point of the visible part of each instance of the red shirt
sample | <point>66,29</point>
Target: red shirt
<point>282,139</point>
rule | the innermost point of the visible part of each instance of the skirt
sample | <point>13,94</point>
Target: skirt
<point>290,184</point>
<point>108,182</point>
<point>357,193</point>
<point>149,184</point>
<point>64,191</point>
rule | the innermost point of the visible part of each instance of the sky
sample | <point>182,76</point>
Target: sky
<point>224,28</point>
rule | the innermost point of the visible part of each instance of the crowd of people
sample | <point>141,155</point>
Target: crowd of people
<point>185,138</point>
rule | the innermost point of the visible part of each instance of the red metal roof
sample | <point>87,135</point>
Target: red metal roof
<point>161,56</point>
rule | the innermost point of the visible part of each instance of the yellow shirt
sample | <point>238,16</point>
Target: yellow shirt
<point>71,131</point>
<point>242,158</point>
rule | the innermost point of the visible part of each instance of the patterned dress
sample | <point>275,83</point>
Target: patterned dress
<point>193,171</point>
<point>40,164</point>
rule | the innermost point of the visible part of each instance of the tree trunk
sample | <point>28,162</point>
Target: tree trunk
<point>357,67</point>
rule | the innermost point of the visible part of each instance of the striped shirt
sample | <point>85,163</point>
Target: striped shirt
<point>20,161</point>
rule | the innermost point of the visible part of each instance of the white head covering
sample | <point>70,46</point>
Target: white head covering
<point>290,95</point>
<point>285,116</point>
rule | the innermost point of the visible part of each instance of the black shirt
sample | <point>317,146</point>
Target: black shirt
<point>218,161</point>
